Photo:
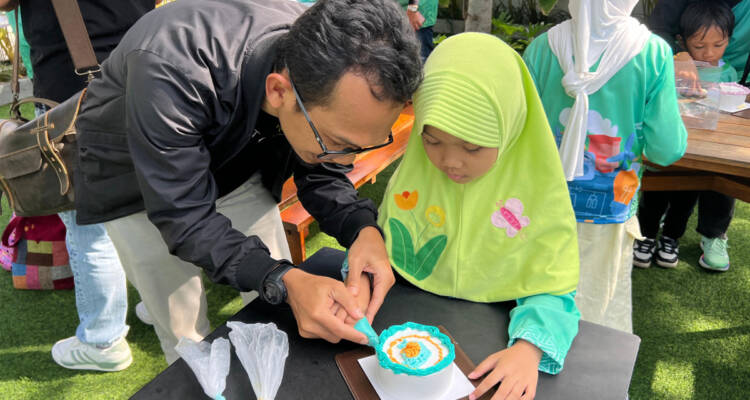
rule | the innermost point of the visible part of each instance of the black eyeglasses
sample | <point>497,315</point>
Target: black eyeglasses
<point>330,154</point>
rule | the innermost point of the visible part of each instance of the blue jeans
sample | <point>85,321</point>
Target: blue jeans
<point>426,43</point>
<point>101,294</point>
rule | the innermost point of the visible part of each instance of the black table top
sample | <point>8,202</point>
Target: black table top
<point>599,364</point>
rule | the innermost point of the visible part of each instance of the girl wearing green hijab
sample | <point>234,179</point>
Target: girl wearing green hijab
<point>479,208</point>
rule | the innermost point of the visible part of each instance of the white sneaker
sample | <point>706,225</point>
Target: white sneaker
<point>142,313</point>
<point>71,353</point>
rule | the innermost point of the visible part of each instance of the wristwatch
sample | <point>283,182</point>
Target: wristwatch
<point>412,7</point>
<point>274,290</point>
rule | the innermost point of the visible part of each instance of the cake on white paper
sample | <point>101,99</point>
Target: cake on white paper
<point>415,361</point>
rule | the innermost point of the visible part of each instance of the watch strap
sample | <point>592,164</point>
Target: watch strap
<point>275,273</point>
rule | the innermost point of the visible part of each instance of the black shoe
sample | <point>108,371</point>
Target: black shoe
<point>667,254</point>
<point>643,252</point>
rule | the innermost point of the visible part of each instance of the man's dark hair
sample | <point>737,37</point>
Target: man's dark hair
<point>371,38</point>
<point>699,16</point>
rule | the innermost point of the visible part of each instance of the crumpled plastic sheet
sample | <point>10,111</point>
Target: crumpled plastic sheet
<point>209,362</point>
<point>262,350</point>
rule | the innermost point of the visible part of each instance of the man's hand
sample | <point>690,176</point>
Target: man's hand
<point>415,19</point>
<point>517,368</point>
<point>368,254</point>
<point>313,300</point>
<point>363,300</point>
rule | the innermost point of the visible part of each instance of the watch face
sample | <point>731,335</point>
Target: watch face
<point>272,293</point>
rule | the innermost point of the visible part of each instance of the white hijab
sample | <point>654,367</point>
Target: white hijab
<point>597,27</point>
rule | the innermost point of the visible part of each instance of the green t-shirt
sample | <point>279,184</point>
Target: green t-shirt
<point>428,9</point>
<point>723,73</point>
<point>739,43</point>
<point>25,49</point>
<point>634,114</point>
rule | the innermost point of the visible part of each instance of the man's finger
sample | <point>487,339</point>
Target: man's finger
<point>382,283</point>
<point>341,295</point>
<point>341,330</point>
<point>352,279</point>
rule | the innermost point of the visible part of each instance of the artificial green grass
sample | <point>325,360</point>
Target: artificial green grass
<point>695,324</point>
<point>695,327</point>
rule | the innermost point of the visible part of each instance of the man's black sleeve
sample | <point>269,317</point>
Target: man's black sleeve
<point>329,196</point>
<point>168,109</point>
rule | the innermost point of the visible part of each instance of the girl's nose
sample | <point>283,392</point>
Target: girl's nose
<point>452,160</point>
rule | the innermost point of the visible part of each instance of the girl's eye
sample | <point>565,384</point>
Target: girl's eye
<point>472,150</point>
<point>429,140</point>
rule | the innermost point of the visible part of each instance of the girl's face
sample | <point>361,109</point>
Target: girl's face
<point>460,160</point>
<point>707,45</point>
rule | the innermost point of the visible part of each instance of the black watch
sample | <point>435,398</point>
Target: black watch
<point>274,290</point>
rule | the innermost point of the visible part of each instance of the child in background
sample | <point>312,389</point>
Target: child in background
<point>607,85</point>
<point>705,29</point>
<point>478,208</point>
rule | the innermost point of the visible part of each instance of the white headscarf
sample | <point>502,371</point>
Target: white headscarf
<point>597,27</point>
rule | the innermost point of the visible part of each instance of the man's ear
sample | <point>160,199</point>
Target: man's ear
<point>278,89</point>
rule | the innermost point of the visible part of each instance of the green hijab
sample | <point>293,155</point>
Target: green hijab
<point>508,234</point>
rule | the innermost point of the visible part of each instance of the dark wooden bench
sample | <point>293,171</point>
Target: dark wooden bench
<point>366,168</point>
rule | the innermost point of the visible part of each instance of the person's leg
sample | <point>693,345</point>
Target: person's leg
<point>715,212</point>
<point>253,211</point>
<point>101,294</point>
<point>651,209</point>
<point>171,289</point>
<point>604,288</point>
<point>681,205</point>
<point>426,42</point>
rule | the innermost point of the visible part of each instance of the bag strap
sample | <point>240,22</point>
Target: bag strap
<point>14,224</point>
<point>76,37</point>
<point>15,112</point>
<point>743,81</point>
<point>79,45</point>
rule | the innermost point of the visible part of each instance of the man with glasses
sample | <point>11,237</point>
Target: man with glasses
<point>203,111</point>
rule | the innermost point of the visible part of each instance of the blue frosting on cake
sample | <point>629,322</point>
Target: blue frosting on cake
<point>417,360</point>
<point>413,364</point>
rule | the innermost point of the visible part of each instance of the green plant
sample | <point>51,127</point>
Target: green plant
<point>451,9</point>
<point>517,36</point>
<point>528,12</point>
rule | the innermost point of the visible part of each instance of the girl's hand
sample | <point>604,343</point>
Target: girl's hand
<point>517,368</point>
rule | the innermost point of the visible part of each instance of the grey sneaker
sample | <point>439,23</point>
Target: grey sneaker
<point>643,252</point>
<point>715,256</point>
<point>668,252</point>
<point>71,353</point>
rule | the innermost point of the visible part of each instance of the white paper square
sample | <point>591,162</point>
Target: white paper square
<point>461,386</point>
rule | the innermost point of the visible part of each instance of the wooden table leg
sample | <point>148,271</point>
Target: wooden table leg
<point>296,240</point>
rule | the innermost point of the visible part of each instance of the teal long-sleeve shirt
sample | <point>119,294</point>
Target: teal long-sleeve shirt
<point>549,323</point>
<point>634,114</point>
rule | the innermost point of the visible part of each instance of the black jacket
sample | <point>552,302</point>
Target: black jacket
<point>177,101</point>
<point>665,19</point>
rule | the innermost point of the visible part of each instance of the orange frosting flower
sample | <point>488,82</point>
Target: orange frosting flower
<point>411,349</point>
<point>406,200</point>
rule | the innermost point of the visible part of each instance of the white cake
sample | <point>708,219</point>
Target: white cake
<point>415,362</point>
